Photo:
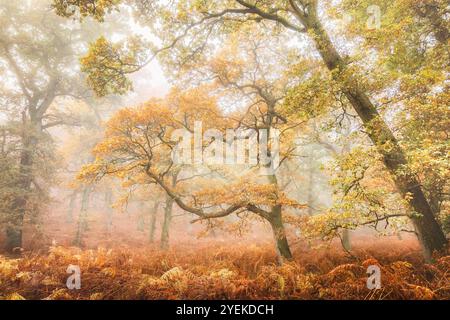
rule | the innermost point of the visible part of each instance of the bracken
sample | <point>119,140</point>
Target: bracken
<point>215,271</point>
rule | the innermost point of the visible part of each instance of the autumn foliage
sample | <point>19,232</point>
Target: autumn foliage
<point>218,271</point>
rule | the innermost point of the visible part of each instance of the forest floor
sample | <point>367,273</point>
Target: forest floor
<point>220,271</point>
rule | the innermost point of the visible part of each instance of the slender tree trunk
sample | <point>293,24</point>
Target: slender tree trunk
<point>279,233</point>
<point>428,230</point>
<point>190,227</point>
<point>151,234</point>
<point>19,206</point>
<point>109,210</point>
<point>166,223</point>
<point>73,197</point>
<point>310,199</point>
<point>275,219</point>
<point>430,11</point>
<point>346,240</point>
<point>141,220</point>
<point>168,216</point>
